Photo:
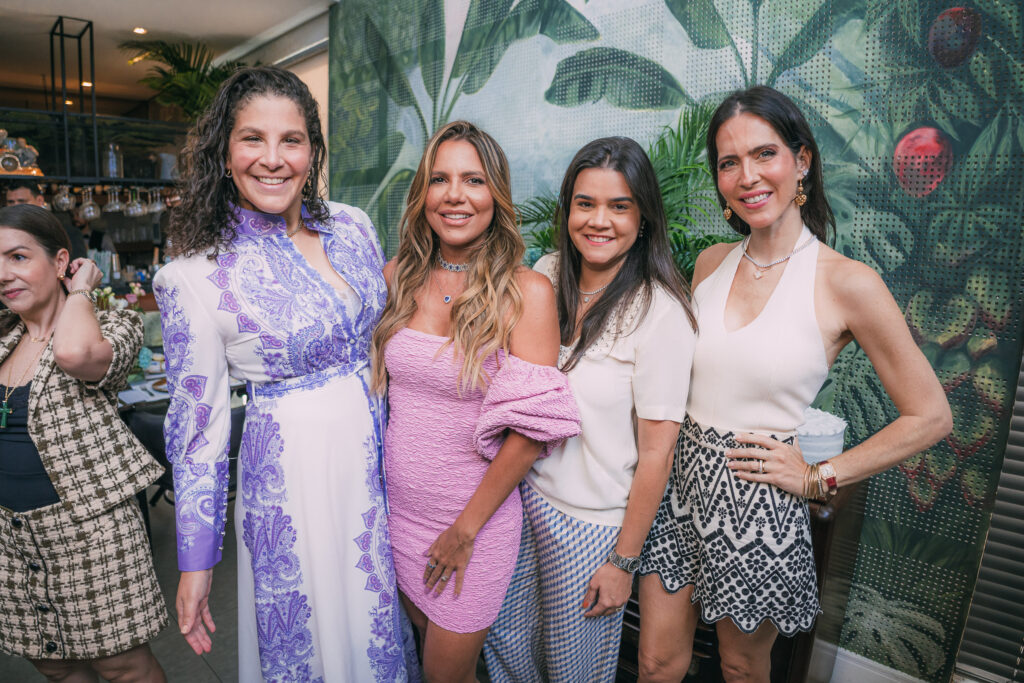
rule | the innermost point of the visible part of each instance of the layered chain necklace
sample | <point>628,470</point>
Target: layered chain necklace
<point>9,390</point>
<point>762,268</point>
<point>587,295</point>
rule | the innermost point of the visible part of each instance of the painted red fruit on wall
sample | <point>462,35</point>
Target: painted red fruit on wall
<point>921,160</point>
<point>954,35</point>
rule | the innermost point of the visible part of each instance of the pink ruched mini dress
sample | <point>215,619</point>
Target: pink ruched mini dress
<point>437,448</point>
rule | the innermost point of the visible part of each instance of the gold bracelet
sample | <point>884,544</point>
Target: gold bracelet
<point>87,293</point>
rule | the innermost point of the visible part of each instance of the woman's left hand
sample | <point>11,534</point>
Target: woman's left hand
<point>85,274</point>
<point>448,555</point>
<point>773,462</point>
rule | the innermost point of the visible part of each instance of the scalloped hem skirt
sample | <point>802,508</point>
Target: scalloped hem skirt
<point>745,547</point>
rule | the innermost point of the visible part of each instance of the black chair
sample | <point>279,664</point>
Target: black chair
<point>148,427</point>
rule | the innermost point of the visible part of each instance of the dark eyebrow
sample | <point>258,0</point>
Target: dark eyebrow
<point>16,248</point>
<point>290,133</point>
<point>613,200</point>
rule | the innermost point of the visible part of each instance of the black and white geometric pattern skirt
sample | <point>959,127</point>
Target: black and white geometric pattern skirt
<point>744,546</point>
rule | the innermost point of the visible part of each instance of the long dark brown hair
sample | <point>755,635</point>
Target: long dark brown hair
<point>789,123</point>
<point>648,261</point>
<point>201,221</point>
<point>44,228</point>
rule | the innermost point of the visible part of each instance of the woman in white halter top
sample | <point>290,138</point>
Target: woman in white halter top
<point>731,542</point>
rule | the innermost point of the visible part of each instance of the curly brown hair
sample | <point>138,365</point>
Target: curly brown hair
<point>201,222</point>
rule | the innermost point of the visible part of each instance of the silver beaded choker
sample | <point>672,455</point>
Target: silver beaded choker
<point>452,267</point>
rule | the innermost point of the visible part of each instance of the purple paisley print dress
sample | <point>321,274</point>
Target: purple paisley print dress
<point>316,580</point>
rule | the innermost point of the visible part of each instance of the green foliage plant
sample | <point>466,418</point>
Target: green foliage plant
<point>184,74</point>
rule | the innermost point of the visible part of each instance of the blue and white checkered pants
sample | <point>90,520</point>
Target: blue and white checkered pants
<point>541,633</point>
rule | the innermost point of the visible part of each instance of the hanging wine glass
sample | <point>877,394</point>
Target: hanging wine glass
<point>90,210</point>
<point>64,200</point>
<point>115,204</point>
<point>134,208</point>
<point>156,200</point>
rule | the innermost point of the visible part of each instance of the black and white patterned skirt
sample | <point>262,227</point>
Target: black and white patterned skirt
<point>77,590</point>
<point>745,547</point>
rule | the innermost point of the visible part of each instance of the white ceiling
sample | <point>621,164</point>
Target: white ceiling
<point>227,26</point>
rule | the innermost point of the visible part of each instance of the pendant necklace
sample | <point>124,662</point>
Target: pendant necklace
<point>588,295</point>
<point>9,390</point>
<point>447,298</point>
<point>762,268</point>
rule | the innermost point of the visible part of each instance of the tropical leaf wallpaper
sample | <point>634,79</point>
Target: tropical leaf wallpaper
<point>917,107</point>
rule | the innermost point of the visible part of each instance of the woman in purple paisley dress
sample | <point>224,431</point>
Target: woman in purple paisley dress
<point>274,286</point>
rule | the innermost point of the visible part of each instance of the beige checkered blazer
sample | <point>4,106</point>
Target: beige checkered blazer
<point>93,459</point>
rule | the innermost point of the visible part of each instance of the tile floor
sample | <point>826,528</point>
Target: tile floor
<point>181,664</point>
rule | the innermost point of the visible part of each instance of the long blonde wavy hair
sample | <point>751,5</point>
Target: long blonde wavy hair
<point>482,317</point>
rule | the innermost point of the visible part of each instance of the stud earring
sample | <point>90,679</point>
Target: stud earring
<point>800,199</point>
<point>727,212</point>
<point>60,276</point>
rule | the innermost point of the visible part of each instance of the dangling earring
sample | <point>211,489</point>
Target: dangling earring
<point>727,212</point>
<point>642,224</point>
<point>800,199</point>
<point>227,173</point>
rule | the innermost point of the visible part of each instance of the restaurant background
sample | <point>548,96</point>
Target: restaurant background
<point>916,106</point>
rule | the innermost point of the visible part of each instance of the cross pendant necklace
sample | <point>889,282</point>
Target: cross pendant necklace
<point>5,410</point>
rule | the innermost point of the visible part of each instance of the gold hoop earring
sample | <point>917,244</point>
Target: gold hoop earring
<point>227,173</point>
<point>727,212</point>
<point>800,199</point>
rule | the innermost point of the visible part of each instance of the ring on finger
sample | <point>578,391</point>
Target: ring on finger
<point>444,578</point>
<point>431,564</point>
<point>760,466</point>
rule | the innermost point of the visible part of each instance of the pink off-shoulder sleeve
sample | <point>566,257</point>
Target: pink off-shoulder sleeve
<point>534,400</point>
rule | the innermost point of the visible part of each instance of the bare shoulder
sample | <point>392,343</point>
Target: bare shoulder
<point>536,287</point>
<point>849,280</point>
<point>535,335</point>
<point>389,271</point>
<point>709,259</point>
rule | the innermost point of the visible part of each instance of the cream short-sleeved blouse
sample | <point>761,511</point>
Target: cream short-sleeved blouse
<point>644,373</point>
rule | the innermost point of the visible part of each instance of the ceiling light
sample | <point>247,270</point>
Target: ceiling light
<point>138,30</point>
<point>86,84</point>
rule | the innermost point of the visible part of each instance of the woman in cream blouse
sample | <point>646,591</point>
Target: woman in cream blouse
<point>627,337</point>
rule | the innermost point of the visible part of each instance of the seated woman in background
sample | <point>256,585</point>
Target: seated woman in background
<point>80,596</point>
<point>273,285</point>
<point>731,543</point>
<point>627,336</point>
<point>466,349</point>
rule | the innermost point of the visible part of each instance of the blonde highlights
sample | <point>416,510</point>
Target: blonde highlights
<point>483,315</point>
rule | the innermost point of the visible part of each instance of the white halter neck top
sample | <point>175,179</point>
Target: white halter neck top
<point>760,377</point>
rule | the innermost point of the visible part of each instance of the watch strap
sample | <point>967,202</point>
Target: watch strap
<point>88,294</point>
<point>827,473</point>
<point>626,564</point>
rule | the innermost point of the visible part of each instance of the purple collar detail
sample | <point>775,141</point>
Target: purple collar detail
<point>256,223</point>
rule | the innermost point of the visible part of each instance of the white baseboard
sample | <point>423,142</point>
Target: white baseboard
<point>850,668</point>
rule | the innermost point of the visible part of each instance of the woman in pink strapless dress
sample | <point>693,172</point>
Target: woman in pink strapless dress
<point>466,348</point>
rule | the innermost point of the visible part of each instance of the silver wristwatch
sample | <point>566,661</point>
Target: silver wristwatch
<point>626,564</point>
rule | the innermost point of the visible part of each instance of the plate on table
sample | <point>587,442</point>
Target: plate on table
<point>159,385</point>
